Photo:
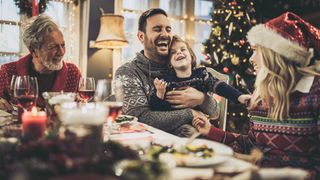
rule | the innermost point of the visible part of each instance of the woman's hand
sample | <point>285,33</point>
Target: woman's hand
<point>185,97</point>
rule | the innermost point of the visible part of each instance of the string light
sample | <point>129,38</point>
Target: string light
<point>72,30</point>
<point>181,20</point>
<point>13,23</point>
<point>9,54</point>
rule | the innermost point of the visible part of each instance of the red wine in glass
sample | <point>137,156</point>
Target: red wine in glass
<point>26,91</point>
<point>26,101</point>
<point>115,109</point>
<point>86,95</point>
<point>86,88</point>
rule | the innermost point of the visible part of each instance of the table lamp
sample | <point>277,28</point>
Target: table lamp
<point>111,36</point>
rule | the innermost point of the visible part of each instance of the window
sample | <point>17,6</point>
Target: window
<point>176,11</point>
<point>11,45</point>
<point>132,9</point>
<point>202,25</point>
<point>191,24</point>
<point>9,32</point>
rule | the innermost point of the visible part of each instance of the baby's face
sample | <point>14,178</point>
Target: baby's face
<point>180,57</point>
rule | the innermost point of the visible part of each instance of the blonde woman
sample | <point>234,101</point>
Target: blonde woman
<point>285,108</point>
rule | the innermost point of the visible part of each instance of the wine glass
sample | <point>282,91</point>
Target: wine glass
<point>26,91</point>
<point>102,91</point>
<point>86,88</point>
<point>115,101</point>
<point>11,90</point>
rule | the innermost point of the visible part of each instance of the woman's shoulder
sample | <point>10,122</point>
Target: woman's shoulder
<point>316,84</point>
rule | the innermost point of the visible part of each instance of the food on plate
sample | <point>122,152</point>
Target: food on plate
<point>182,151</point>
<point>125,118</point>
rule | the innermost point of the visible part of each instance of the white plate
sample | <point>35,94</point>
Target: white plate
<point>133,119</point>
<point>221,153</point>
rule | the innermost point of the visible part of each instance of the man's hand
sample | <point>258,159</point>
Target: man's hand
<point>185,97</point>
<point>4,105</point>
<point>161,87</point>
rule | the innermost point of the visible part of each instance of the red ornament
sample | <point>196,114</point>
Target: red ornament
<point>234,3</point>
<point>35,7</point>
<point>242,42</point>
<point>225,69</point>
<point>206,58</point>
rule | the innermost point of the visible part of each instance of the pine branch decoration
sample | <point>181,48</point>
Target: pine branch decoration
<point>25,6</point>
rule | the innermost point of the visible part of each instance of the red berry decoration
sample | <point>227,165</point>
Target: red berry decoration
<point>225,69</point>
<point>234,3</point>
<point>242,42</point>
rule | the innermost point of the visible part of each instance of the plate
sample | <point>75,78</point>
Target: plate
<point>130,119</point>
<point>221,153</point>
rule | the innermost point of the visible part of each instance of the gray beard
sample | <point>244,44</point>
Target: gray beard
<point>51,66</point>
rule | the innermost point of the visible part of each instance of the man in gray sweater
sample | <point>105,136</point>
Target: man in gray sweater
<point>138,75</point>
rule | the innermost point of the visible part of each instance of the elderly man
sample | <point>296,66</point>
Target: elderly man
<point>138,75</point>
<point>46,45</point>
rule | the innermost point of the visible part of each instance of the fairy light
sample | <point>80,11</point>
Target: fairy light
<point>9,54</point>
<point>182,19</point>
<point>72,29</point>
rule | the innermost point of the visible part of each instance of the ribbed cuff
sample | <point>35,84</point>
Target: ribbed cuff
<point>217,134</point>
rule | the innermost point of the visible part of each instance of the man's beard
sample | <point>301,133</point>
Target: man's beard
<point>52,66</point>
<point>153,49</point>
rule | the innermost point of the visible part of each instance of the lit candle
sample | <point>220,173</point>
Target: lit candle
<point>34,123</point>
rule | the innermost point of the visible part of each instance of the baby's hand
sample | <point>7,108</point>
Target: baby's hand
<point>161,86</point>
<point>244,99</point>
<point>202,125</point>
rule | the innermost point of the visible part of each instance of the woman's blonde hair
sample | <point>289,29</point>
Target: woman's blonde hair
<point>275,81</point>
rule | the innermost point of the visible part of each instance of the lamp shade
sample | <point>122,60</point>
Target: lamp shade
<point>111,34</point>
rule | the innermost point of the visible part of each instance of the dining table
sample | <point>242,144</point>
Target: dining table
<point>139,137</point>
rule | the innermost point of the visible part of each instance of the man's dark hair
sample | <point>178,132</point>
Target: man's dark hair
<point>145,15</point>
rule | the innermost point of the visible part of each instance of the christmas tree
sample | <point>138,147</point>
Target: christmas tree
<point>228,52</point>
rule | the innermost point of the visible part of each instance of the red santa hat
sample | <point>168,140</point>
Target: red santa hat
<point>288,35</point>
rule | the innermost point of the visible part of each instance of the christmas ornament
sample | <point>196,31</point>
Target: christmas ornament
<point>226,19</point>
<point>234,3</point>
<point>235,60</point>
<point>217,31</point>
<point>240,14</point>
<point>25,6</point>
<point>225,69</point>
<point>242,42</point>
<point>230,28</point>
<point>253,21</point>
<point>215,57</point>
<point>248,17</point>
<point>207,58</point>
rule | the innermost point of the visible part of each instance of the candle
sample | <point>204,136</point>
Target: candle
<point>34,123</point>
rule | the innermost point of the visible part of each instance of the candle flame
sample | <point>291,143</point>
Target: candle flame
<point>34,110</point>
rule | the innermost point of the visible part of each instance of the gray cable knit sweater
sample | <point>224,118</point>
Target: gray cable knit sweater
<point>137,77</point>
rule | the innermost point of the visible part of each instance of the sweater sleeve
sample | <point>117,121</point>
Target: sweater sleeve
<point>229,92</point>
<point>238,142</point>
<point>4,82</point>
<point>158,104</point>
<point>136,103</point>
<point>221,88</point>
